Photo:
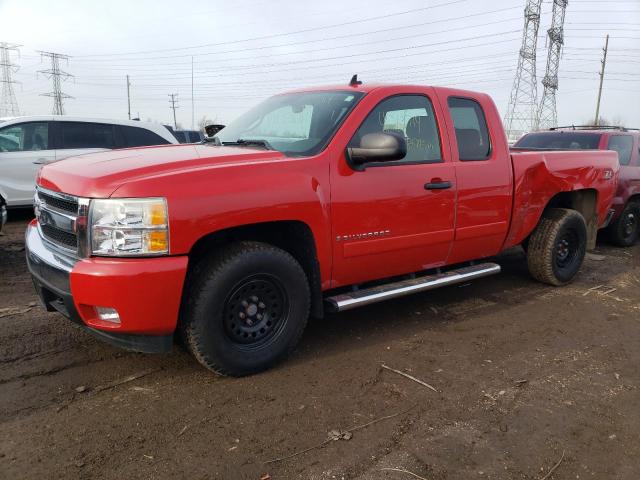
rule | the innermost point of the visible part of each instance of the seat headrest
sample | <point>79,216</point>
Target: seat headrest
<point>420,127</point>
<point>470,144</point>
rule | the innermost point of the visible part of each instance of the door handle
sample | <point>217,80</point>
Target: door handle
<point>40,161</point>
<point>437,185</point>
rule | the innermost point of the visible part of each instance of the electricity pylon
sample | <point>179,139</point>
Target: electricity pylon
<point>522,109</point>
<point>547,114</point>
<point>8,101</point>
<point>57,76</point>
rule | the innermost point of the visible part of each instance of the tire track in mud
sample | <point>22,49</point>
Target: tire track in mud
<point>52,371</point>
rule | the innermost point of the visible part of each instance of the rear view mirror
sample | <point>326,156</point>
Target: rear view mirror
<point>378,147</point>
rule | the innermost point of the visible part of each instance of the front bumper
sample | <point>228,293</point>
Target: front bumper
<point>146,293</point>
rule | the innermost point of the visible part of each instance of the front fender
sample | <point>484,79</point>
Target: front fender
<point>209,200</point>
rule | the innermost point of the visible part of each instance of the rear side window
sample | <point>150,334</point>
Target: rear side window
<point>559,140</point>
<point>141,137</point>
<point>623,144</point>
<point>472,134</point>
<point>195,137</point>
<point>85,135</point>
<point>25,137</point>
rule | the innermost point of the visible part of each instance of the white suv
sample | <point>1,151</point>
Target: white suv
<point>28,142</point>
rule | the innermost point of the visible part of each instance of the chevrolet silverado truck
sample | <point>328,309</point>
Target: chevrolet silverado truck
<point>624,229</point>
<point>320,199</point>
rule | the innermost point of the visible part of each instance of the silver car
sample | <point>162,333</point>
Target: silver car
<point>26,143</point>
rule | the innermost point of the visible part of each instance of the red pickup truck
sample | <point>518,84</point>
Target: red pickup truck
<point>624,229</point>
<point>330,197</point>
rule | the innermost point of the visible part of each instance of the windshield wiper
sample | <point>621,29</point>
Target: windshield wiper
<point>214,140</point>
<point>251,142</point>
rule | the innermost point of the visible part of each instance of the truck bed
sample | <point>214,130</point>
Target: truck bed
<point>540,175</point>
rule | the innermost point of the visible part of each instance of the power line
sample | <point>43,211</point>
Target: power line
<point>8,101</point>
<point>283,34</point>
<point>56,75</point>
<point>323,40</point>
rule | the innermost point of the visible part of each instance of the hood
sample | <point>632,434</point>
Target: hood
<point>98,175</point>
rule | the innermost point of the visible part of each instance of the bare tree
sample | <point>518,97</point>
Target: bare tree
<point>204,121</point>
<point>616,121</point>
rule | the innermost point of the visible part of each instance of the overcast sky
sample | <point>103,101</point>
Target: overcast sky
<point>246,50</point>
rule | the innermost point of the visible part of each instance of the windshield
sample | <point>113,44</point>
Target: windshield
<point>559,140</point>
<point>296,124</point>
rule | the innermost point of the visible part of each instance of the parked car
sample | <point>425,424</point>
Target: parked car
<point>624,229</point>
<point>332,197</point>
<point>188,136</point>
<point>27,143</point>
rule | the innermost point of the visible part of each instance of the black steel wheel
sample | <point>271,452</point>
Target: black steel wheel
<point>255,311</point>
<point>567,249</point>
<point>245,309</point>
<point>625,230</point>
<point>557,246</point>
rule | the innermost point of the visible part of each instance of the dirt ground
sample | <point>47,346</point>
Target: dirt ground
<point>526,376</point>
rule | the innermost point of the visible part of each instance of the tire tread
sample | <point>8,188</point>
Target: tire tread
<point>207,269</point>
<point>540,249</point>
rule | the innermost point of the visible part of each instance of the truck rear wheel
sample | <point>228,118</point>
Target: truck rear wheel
<point>625,231</point>
<point>246,308</point>
<point>557,246</point>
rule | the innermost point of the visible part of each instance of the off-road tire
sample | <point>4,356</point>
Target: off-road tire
<point>546,250</point>
<point>212,304</point>
<point>621,232</point>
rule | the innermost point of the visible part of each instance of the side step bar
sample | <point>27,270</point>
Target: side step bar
<point>359,298</point>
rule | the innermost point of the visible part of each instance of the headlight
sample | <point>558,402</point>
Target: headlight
<point>129,227</point>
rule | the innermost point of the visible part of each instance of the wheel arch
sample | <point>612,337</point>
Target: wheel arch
<point>292,236</point>
<point>633,198</point>
<point>584,201</point>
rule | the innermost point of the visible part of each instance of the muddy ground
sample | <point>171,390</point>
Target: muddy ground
<point>526,375</point>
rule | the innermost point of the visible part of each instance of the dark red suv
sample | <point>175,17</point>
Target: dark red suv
<point>624,229</point>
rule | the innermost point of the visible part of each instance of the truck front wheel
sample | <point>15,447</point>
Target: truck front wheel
<point>625,231</point>
<point>557,246</point>
<point>245,309</point>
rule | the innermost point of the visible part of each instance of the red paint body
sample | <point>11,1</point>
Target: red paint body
<point>493,205</point>
<point>629,176</point>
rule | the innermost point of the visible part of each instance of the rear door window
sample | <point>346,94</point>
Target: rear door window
<point>76,135</point>
<point>472,134</point>
<point>141,137</point>
<point>25,137</point>
<point>623,144</point>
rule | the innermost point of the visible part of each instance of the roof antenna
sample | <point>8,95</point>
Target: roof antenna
<point>354,81</point>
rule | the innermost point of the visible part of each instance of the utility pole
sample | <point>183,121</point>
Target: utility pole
<point>56,75</point>
<point>192,109</point>
<point>173,101</point>
<point>604,63</point>
<point>8,102</point>
<point>547,113</point>
<point>522,109</point>
<point>128,98</point>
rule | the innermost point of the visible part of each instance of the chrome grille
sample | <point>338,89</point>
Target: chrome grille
<point>59,236</point>
<point>68,205</point>
<point>62,220</point>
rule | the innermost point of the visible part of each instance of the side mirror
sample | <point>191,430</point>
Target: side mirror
<point>212,130</point>
<point>378,147</point>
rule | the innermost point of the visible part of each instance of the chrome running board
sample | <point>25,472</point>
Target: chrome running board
<point>359,298</point>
